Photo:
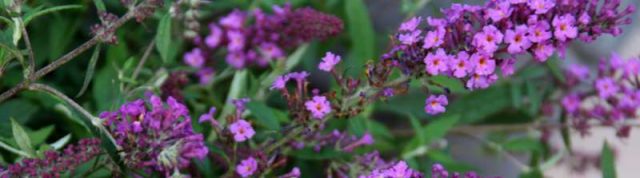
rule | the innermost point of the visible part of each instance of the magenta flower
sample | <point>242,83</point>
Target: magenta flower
<point>236,60</point>
<point>436,104</point>
<point>194,58</point>
<point>436,63</point>
<point>318,106</point>
<point>460,65</point>
<point>539,32</point>
<point>481,81</point>
<point>241,130</point>
<point>571,103</point>
<point>434,38</point>
<point>500,11</point>
<point>236,41</point>
<point>517,39</point>
<point>541,6</point>
<point>606,87</point>
<point>483,64</point>
<point>564,27</point>
<point>400,169</point>
<point>209,117</point>
<point>280,82</point>
<point>295,173</point>
<point>299,76</point>
<point>410,25</point>
<point>507,67</point>
<point>215,37</point>
<point>247,167</point>
<point>234,20</point>
<point>367,139</point>
<point>271,51</point>
<point>205,75</point>
<point>543,51</point>
<point>328,62</point>
<point>410,37</point>
<point>488,39</point>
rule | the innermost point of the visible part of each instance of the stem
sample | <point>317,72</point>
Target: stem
<point>27,42</point>
<point>13,150</point>
<point>94,120</point>
<point>284,140</point>
<point>146,54</point>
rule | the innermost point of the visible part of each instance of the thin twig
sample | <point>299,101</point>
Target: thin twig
<point>143,60</point>
<point>32,61</point>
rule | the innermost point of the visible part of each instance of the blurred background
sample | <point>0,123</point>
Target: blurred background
<point>368,27</point>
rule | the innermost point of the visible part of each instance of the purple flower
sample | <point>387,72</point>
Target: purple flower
<point>500,11</point>
<point>299,76</point>
<point>247,167</point>
<point>539,32</point>
<point>410,25</point>
<point>388,92</point>
<point>436,104</point>
<point>280,82</point>
<point>205,75</point>
<point>434,38</point>
<point>236,41</point>
<point>564,27</point>
<point>483,64</point>
<point>460,65</point>
<point>518,39</point>
<point>541,6</point>
<point>543,51</point>
<point>234,20</point>
<point>194,58</point>
<point>606,87</point>
<point>318,106</point>
<point>241,130</point>
<point>209,117</point>
<point>571,103</point>
<point>295,173</point>
<point>436,63</point>
<point>236,60</point>
<point>215,37</point>
<point>488,39</point>
<point>271,51</point>
<point>507,67</point>
<point>400,169</point>
<point>328,62</point>
<point>480,81</point>
<point>410,37</point>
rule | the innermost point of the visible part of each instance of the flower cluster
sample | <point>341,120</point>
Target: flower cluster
<point>473,42</point>
<point>614,98</point>
<point>156,137</point>
<point>265,38</point>
<point>371,165</point>
<point>438,171</point>
<point>54,163</point>
<point>300,104</point>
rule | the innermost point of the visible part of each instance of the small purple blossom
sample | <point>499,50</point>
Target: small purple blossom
<point>500,11</point>
<point>410,25</point>
<point>518,39</point>
<point>194,58</point>
<point>539,32</point>
<point>436,104</point>
<point>209,117</point>
<point>488,39</point>
<point>236,41</point>
<point>460,65</point>
<point>483,64</point>
<point>410,37</point>
<point>328,62</point>
<point>437,63</point>
<point>571,103</point>
<point>564,27</point>
<point>247,167</point>
<point>205,75</point>
<point>541,6</point>
<point>241,130</point>
<point>606,87</point>
<point>319,107</point>
<point>236,60</point>
<point>434,38</point>
<point>543,51</point>
<point>234,20</point>
<point>215,37</point>
<point>507,67</point>
<point>280,82</point>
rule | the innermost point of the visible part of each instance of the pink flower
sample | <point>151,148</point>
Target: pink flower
<point>241,130</point>
<point>436,104</point>
<point>436,63</point>
<point>460,65</point>
<point>543,51</point>
<point>481,81</point>
<point>236,41</point>
<point>215,37</point>
<point>541,6</point>
<point>400,169</point>
<point>606,87</point>
<point>410,37</point>
<point>280,82</point>
<point>564,27</point>
<point>507,67</point>
<point>483,64</point>
<point>488,39</point>
<point>518,39</point>
<point>500,11</point>
<point>539,32</point>
<point>411,24</point>
<point>194,58</point>
<point>434,38</point>
<point>318,106</point>
<point>234,20</point>
<point>247,167</point>
<point>571,103</point>
<point>328,62</point>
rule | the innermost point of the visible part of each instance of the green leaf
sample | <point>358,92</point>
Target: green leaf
<point>39,136</point>
<point>417,129</point>
<point>264,115</point>
<point>523,144</point>
<point>361,34</point>
<point>474,106</point>
<point>90,70</point>
<point>554,67</point>
<point>607,162</point>
<point>535,173</point>
<point>454,85</point>
<point>237,90</point>
<point>163,38</point>
<point>30,16</point>
<point>20,109</point>
<point>438,128</point>
<point>358,125</point>
<point>100,5</point>
<point>22,138</point>
<point>565,132</point>
<point>105,89</point>
<point>61,142</point>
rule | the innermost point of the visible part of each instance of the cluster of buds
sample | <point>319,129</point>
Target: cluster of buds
<point>159,138</point>
<point>144,9</point>
<point>188,12</point>
<point>55,164</point>
<point>105,30</point>
<point>473,42</point>
<point>613,98</point>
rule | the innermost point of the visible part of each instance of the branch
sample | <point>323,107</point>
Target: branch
<point>32,61</point>
<point>146,54</point>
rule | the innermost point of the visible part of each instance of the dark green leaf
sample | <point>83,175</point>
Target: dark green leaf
<point>523,144</point>
<point>20,109</point>
<point>536,173</point>
<point>480,104</point>
<point>361,33</point>
<point>554,67</point>
<point>39,136</point>
<point>607,162</point>
<point>264,115</point>
<point>454,85</point>
<point>90,70</point>
<point>100,5</point>
<point>22,138</point>
<point>163,38</point>
<point>358,125</point>
<point>438,128</point>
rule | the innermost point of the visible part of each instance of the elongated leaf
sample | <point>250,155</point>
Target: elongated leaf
<point>39,136</point>
<point>100,5</point>
<point>238,87</point>
<point>438,128</point>
<point>361,34</point>
<point>163,38</point>
<point>31,16</point>
<point>264,115</point>
<point>523,144</point>
<point>607,162</point>
<point>22,138</point>
<point>90,70</point>
<point>61,142</point>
